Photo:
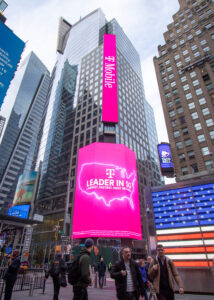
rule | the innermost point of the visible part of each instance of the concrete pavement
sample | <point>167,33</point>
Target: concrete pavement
<point>107,293</point>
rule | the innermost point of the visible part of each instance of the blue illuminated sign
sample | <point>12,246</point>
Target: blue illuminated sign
<point>11,48</point>
<point>19,211</point>
<point>165,156</point>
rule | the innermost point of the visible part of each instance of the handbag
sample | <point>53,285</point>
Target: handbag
<point>62,280</point>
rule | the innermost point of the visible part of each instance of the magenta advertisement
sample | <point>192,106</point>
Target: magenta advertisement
<point>110,109</point>
<point>106,196</point>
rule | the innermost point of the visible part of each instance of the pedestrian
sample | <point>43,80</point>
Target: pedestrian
<point>152,293</point>
<point>11,274</point>
<point>101,271</point>
<point>57,271</point>
<point>128,280</point>
<point>84,279</point>
<point>142,268</point>
<point>163,272</point>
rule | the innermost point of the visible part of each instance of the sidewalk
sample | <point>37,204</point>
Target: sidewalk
<point>107,293</point>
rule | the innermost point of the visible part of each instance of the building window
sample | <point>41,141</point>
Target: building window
<point>164,79</point>
<point>205,111</point>
<point>178,64</point>
<point>194,115</point>
<point>176,57</point>
<point>187,59</point>
<point>194,168</point>
<point>181,42</point>
<point>198,92</point>
<point>203,42</point>
<point>191,154</point>
<point>174,123</point>
<point>184,170</point>
<point>196,54</point>
<point>189,37</point>
<point>188,96</point>
<point>202,101</point>
<point>175,92</point>
<point>209,86</point>
<point>195,82</point>
<point>185,52</point>
<point>177,101</point>
<point>209,122</point>
<point>174,46</point>
<point>173,84</point>
<point>201,138</point>
<point>168,95</point>
<point>205,151</point>
<point>182,157</point>
<point>192,74</point>
<point>167,62</point>
<point>185,130</point>
<point>191,105</point>
<point>180,110</point>
<point>194,47</point>
<point>209,164</point>
<point>186,87</point>
<point>176,133</point>
<point>212,135</point>
<point>171,76</point>
<point>170,104</point>
<point>198,32</point>
<point>169,69</point>
<point>166,87</point>
<point>182,120</point>
<point>197,126</point>
<point>172,113</point>
<point>183,78</point>
<point>179,145</point>
<point>188,142</point>
<point>208,26</point>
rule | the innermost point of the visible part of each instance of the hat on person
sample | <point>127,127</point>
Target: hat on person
<point>89,243</point>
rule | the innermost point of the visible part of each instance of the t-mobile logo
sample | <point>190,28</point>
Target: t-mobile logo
<point>110,173</point>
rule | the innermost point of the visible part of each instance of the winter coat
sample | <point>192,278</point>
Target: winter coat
<point>121,281</point>
<point>172,272</point>
<point>84,278</point>
<point>12,271</point>
<point>101,268</point>
<point>57,267</point>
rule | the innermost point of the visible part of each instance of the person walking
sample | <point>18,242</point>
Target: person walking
<point>11,274</point>
<point>152,293</point>
<point>84,279</point>
<point>57,271</point>
<point>163,273</point>
<point>142,268</point>
<point>101,271</point>
<point>128,280</point>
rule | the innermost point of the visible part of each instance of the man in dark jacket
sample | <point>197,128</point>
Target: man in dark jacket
<point>80,288</point>
<point>11,274</point>
<point>57,272</point>
<point>101,271</point>
<point>127,277</point>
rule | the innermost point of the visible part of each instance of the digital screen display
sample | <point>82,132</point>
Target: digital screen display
<point>106,196</point>
<point>110,105</point>
<point>25,188</point>
<point>11,48</point>
<point>165,156</point>
<point>19,211</point>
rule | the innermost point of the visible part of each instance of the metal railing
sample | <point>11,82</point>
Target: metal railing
<point>29,279</point>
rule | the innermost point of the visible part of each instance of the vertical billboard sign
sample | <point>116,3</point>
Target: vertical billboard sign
<point>106,196</point>
<point>110,105</point>
<point>11,48</point>
<point>25,188</point>
<point>165,158</point>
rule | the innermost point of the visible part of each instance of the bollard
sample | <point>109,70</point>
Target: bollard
<point>32,283</point>
<point>1,288</point>
<point>95,280</point>
<point>105,280</point>
<point>44,282</point>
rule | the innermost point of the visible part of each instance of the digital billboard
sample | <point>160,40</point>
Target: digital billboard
<point>11,48</point>
<point>19,211</point>
<point>106,196</point>
<point>110,106</point>
<point>25,188</point>
<point>165,158</point>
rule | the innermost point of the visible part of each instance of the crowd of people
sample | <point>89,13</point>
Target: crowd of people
<point>150,279</point>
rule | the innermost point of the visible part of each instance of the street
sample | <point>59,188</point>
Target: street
<point>108,292</point>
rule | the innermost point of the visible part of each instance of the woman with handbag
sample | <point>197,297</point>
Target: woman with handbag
<point>58,273</point>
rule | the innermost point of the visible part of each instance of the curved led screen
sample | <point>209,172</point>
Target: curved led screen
<point>106,196</point>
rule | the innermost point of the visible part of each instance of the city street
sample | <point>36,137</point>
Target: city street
<point>106,293</point>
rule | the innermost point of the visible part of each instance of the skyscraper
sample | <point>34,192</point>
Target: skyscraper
<point>184,71</point>
<point>19,144</point>
<point>74,117</point>
<point>2,122</point>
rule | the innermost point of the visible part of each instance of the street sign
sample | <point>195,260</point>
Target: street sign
<point>8,250</point>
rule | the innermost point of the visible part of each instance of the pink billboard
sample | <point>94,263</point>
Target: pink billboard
<point>110,106</point>
<point>106,197</point>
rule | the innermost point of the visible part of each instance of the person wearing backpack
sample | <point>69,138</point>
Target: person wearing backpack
<point>57,271</point>
<point>84,280</point>
<point>163,273</point>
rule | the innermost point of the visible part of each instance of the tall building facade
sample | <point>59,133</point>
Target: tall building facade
<point>19,145</point>
<point>185,76</point>
<point>2,122</point>
<point>74,117</point>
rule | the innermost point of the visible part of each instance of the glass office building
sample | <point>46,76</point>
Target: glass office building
<point>74,117</point>
<point>19,145</point>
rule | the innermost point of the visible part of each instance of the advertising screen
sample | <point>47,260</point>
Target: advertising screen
<point>20,211</point>
<point>165,158</point>
<point>110,106</point>
<point>25,188</point>
<point>106,196</point>
<point>11,48</point>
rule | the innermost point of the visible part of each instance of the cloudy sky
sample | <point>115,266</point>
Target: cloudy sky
<point>144,22</point>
